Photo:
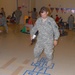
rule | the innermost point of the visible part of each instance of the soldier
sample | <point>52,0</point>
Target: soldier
<point>48,35</point>
<point>18,14</point>
<point>34,15</point>
<point>3,22</point>
<point>71,21</point>
<point>3,12</point>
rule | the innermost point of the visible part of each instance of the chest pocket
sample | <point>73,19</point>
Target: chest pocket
<point>45,27</point>
<point>49,25</point>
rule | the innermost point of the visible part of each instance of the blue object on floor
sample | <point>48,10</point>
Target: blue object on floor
<point>40,68</point>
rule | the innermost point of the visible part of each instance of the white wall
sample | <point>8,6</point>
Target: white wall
<point>11,5</point>
<point>28,6</point>
<point>57,4</point>
<point>8,5</point>
<point>24,4</point>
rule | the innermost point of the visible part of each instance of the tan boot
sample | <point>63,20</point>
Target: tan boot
<point>49,63</point>
<point>35,60</point>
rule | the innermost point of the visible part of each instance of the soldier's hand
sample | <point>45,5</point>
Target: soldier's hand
<point>55,42</point>
<point>31,37</point>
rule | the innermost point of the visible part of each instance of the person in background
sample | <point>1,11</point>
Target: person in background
<point>3,22</point>
<point>18,14</point>
<point>30,20</point>
<point>71,22</point>
<point>57,19</point>
<point>3,12</point>
<point>29,23</point>
<point>60,19</point>
<point>13,19</point>
<point>34,15</point>
<point>48,35</point>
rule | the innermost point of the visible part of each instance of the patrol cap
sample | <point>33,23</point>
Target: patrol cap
<point>44,9</point>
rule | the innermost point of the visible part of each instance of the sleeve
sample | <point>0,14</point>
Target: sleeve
<point>34,29</point>
<point>4,21</point>
<point>21,13</point>
<point>55,30</point>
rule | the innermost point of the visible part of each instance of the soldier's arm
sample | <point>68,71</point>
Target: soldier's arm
<point>34,29</point>
<point>4,20</point>
<point>55,31</point>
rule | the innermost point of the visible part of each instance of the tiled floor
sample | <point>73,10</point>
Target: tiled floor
<point>16,54</point>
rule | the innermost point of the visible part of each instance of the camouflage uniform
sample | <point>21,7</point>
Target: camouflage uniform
<point>48,32</point>
<point>3,23</point>
<point>18,15</point>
